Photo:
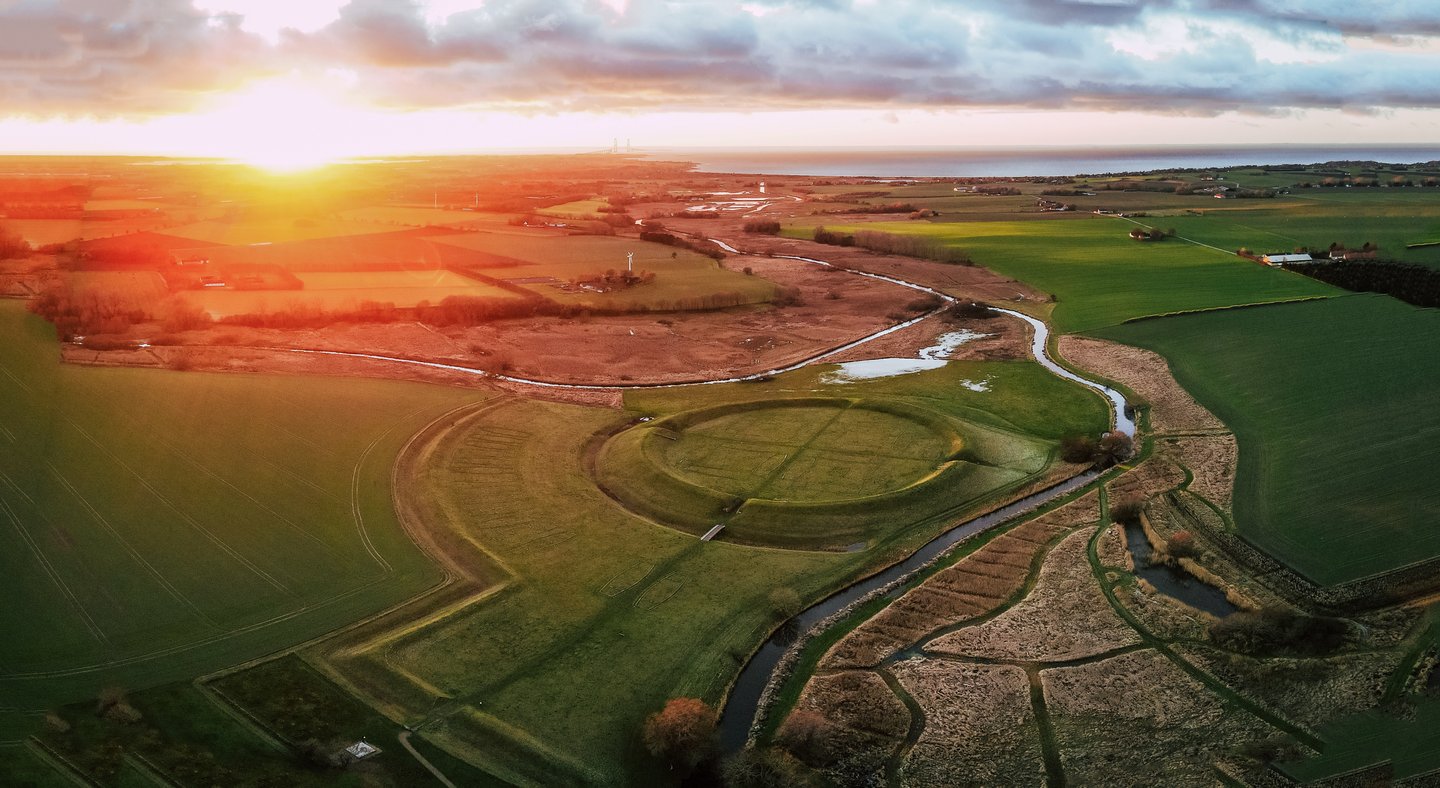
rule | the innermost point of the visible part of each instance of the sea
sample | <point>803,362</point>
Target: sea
<point>1026,161</point>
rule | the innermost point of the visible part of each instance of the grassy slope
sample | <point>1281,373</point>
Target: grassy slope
<point>610,615</point>
<point>1333,404</point>
<point>1101,277</point>
<point>156,525</point>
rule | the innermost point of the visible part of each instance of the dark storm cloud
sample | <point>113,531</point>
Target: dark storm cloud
<point>1193,56</point>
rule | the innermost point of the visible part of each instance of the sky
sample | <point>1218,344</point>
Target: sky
<point>296,80</point>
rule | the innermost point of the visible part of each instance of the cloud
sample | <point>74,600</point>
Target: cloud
<point>1182,56</point>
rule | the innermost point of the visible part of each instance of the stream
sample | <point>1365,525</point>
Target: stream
<point>742,705</point>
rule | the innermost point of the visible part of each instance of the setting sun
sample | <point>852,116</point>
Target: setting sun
<point>283,126</point>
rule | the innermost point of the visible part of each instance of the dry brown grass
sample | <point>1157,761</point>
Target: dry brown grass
<point>979,725</point>
<point>1112,550</point>
<point>1154,476</point>
<point>1065,617</point>
<point>1172,409</point>
<point>979,583</point>
<point>1211,460</point>
<point>864,721</point>
<point>1310,692</point>
<point>1139,719</point>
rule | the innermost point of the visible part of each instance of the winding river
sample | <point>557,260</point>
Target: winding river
<point>744,701</point>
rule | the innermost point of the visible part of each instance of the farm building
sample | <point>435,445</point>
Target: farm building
<point>1280,259</point>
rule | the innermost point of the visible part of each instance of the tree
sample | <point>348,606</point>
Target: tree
<point>1113,448</point>
<point>1077,448</point>
<point>1182,545</point>
<point>682,734</point>
<point>784,602</point>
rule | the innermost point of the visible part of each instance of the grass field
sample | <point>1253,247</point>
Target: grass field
<point>424,216</point>
<point>1410,745</point>
<point>241,232</point>
<point>156,525</point>
<point>679,273</point>
<point>342,291</point>
<point>1099,275</point>
<point>55,231</point>
<point>1315,218</point>
<point>580,209</point>
<point>1333,405</point>
<point>524,677</point>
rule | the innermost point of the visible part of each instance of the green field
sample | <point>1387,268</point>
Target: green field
<point>1333,405</point>
<point>523,676</point>
<point>157,525</point>
<point>679,273</point>
<point>1315,218</point>
<point>1099,275</point>
<point>1409,744</point>
<point>343,291</point>
<point>813,451</point>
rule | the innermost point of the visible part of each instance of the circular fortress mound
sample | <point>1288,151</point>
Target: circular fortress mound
<point>810,473</point>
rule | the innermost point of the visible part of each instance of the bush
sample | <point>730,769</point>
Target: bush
<point>787,296</point>
<point>971,310</point>
<point>1279,631</point>
<point>1182,545</point>
<point>785,603</point>
<point>1113,448</point>
<point>683,734</point>
<point>767,768</point>
<point>762,226</point>
<point>1127,512</point>
<point>1077,448</point>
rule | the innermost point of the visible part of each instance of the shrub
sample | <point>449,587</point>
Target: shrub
<point>762,226</point>
<point>1127,512</point>
<point>787,296</point>
<point>767,768</point>
<point>1279,631</point>
<point>1182,545</point>
<point>785,603</point>
<point>682,734</point>
<point>971,310</point>
<point>1077,448</point>
<point>1113,448</point>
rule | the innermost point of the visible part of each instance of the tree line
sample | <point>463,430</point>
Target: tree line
<point>920,246</point>
<point>1413,284</point>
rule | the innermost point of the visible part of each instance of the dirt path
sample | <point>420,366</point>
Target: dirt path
<point>404,738</point>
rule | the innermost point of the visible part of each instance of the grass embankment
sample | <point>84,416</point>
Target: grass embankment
<point>156,525</point>
<point>604,615</point>
<point>1099,275</point>
<point>1332,403</point>
<point>818,475</point>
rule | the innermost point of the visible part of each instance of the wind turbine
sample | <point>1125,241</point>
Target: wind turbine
<point>630,262</point>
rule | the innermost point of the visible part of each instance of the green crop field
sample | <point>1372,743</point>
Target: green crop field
<point>1409,744</point>
<point>1099,275</point>
<point>1333,405</point>
<point>521,677</point>
<point>679,273</point>
<point>156,525</point>
<point>1315,218</point>
<point>346,291</point>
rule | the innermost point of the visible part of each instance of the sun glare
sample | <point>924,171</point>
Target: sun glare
<point>284,126</point>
